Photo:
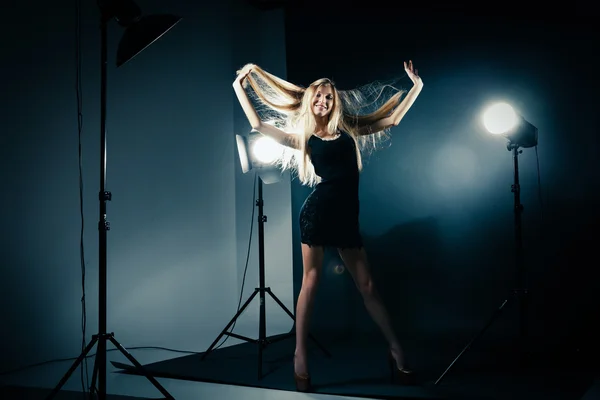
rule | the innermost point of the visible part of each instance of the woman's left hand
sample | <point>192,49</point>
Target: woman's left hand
<point>412,73</point>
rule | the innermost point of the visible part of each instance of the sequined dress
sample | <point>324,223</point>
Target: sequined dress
<point>329,215</point>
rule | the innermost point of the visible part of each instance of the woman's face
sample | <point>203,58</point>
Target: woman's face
<point>322,102</point>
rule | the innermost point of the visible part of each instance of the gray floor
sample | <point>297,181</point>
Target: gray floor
<point>48,376</point>
<point>472,381</point>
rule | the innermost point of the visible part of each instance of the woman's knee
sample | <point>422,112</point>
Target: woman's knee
<point>366,287</point>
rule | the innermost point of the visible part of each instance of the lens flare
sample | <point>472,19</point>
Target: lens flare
<point>339,269</point>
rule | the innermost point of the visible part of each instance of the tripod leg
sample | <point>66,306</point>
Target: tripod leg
<point>262,332</point>
<point>214,343</point>
<point>94,374</point>
<point>294,319</point>
<point>66,377</point>
<point>489,323</point>
<point>141,369</point>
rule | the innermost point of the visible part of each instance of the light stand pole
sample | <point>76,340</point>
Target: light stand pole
<point>268,175</point>
<point>127,13</point>
<point>262,340</point>
<point>520,293</point>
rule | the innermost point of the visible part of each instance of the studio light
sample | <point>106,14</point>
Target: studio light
<point>265,150</point>
<point>140,33</point>
<point>501,119</point>
<point>260,152</point>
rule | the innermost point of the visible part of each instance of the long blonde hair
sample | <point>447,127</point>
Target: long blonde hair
<point>288,107</point>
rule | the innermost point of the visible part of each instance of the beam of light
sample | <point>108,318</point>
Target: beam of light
<point>454,167</point>
<point>500,118</point>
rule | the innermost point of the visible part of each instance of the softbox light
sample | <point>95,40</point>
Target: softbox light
<point>140,31</point>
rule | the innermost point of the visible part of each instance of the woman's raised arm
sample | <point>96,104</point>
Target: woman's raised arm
<point>286,139</point>
<point>402,108</point>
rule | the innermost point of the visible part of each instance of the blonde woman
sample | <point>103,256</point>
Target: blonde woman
<point>323,131</point>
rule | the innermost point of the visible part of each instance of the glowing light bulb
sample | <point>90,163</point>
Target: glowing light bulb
<point>499,118</point>
<point>266,150</point>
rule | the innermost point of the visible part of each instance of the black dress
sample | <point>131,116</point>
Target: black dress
<point>329,215</point>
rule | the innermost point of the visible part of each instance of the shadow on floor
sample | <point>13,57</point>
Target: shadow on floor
<point>358,368</point>
<point>30,393</point>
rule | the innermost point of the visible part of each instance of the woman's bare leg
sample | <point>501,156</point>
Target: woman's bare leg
<point>358,266</point>
<point>312,261</point>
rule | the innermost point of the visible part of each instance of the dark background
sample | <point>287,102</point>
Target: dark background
<point>436,206</point>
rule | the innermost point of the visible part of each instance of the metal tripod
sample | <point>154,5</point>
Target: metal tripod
<point>262,340</point>
<point>99,372</point>
<point>520,293</point>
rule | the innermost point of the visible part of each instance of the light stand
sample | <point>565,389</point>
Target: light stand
<point>520,293</point>
<point>262,340</point>
<point>140,34</point>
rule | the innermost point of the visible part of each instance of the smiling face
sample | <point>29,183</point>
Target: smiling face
<point>323,101</point>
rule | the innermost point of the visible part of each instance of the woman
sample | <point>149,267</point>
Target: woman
<point>323,132</point>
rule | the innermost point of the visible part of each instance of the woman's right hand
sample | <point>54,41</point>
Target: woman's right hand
<point>243,73</point>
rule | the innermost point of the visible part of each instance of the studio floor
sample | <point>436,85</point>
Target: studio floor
<point>354,368</point>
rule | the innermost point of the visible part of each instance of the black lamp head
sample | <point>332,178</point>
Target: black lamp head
<point>125,12</point>
<point>500,118</point>
<point>524,135</point>
<point>140,31</point>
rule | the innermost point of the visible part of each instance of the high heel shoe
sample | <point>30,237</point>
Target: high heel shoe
<point>303,383</point>
<point>404,375</point>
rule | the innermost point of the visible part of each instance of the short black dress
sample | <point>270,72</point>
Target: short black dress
<point>329,215</point>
